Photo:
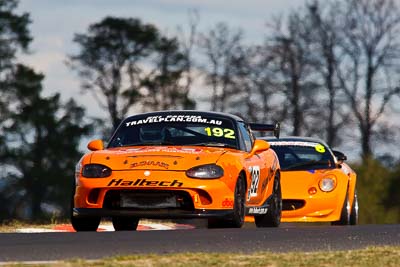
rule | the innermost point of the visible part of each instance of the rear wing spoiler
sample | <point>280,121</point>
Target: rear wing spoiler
<point>260,127</point>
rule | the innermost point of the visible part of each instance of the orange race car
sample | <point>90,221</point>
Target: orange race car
<point>179,164</point>
<point>317,186</point>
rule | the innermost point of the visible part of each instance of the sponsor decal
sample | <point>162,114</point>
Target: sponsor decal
<point>144,182</point>
<point>173,118</point>
<point>258,210</point>
<point>293,143</point>
<point>150,163</point>
<point>255,179</point>
<point>167,149</point>
<point>320,148</point>
<point>227,203</point>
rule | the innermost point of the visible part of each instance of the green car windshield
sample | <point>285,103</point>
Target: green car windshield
<point>175,130</point>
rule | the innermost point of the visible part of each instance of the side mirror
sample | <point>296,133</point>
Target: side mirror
<point>259,146</point>
<point>340,156</point>
<point>95,145</point>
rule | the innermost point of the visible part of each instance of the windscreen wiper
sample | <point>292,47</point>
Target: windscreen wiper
<point>158,143</point>
<point>307,164</point>
<point>213,144</point>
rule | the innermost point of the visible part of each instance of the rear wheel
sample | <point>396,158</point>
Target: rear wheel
<point>237,219</point>
<point>345,214</point>
<point>273,216</point>
<point>125,223</point>
<point>354,210</point>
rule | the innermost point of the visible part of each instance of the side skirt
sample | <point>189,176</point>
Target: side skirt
<point>258,210</point>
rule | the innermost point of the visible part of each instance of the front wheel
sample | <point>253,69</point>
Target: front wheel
<point>354,210</point>
<point>82,223</point>
<point>125,223</point>
<point>239,209</point>
<point>85,223</point>
<point>273,216</point>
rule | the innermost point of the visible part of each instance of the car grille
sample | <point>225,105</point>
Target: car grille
<point>292,204</point>
<point>148,200</point>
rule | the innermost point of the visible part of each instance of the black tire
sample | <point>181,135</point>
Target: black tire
<point>81,224</point>
<point>125,223</point>
<point>85,223</point>
<point>273,216</point>
<point>345,214</point>
<point>239,209</point>
<point>354,210</point>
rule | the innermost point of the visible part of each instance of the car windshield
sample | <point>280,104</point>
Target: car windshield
<point>294,156</point>
<point>176,130</point>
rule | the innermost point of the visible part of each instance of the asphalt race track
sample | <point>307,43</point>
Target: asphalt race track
<point>95,245</point>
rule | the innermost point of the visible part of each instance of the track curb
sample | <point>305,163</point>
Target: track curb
<point>105,228</point>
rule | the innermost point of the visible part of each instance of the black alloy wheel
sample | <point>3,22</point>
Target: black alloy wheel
<point>273,216</point>
<point>239,209</point>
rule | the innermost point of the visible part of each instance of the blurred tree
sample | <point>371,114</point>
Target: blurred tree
<point>324,30</point>
<point>291,46</point>
<point>162,86</point>
<point>220,47</point>
<point>14,33</point>
<point>187,41</point>
<point>254,84</point>
<point>392,199</point>
<point>14,36</point>
<point>368,72</point>
<point>374,185</point>
<point>41,149</point>
<point>122,61</point>
<point>247,77</point>
<point>108,62</point>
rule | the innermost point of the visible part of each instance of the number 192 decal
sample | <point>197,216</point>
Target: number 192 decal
<point>220,132</point>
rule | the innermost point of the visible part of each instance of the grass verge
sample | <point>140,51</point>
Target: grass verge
<point>372,256</point>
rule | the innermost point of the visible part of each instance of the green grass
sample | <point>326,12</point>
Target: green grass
<point>372,256</point>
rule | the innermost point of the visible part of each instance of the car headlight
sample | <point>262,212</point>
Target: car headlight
<point>95,171</point>
<point>327,184</point>
<point>208,171</point>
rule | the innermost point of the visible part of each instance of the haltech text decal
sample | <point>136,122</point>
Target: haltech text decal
<point>143,182</point>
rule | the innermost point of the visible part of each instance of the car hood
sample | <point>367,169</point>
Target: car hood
<point>156,157</point>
